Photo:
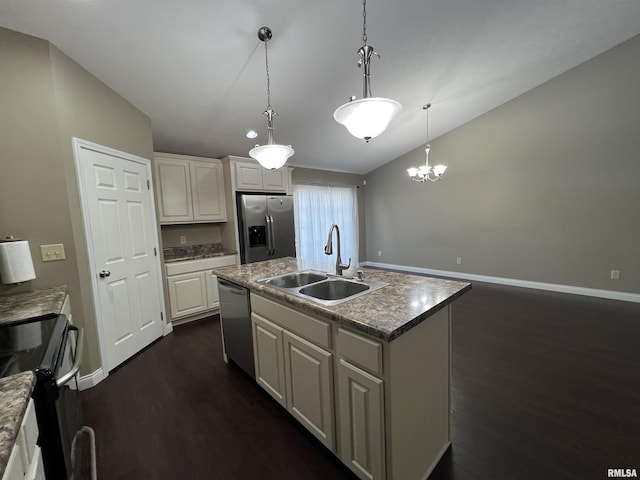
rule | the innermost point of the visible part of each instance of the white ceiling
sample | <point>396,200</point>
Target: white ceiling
<point>197,68</point>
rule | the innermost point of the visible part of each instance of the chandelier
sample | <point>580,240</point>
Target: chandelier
<point>271,156</point>
<point>370,116</point>
<point>426,172</point>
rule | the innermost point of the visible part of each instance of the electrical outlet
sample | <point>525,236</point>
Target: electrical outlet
<point>379,253</point>
<point>52,252</point>
<point>615,274</point>
<point>183,239</point>
<point>459,260</point>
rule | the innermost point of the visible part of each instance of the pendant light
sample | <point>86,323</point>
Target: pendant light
<point>425,172</point>
<point>271,156</point>
<point>370,116</point>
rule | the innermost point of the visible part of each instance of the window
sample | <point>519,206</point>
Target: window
<point>316,208</point>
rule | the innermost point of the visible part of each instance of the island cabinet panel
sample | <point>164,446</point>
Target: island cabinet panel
<point>309,381</point>
<point>295,370</point>
<point>268,357</point>
<point>361,419</point>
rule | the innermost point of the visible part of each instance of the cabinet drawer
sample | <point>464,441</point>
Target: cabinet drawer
<point>307,327</point>
<point>362,351</point>
<point>188,266</point>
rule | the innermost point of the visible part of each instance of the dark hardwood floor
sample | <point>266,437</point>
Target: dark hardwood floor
<point>544,386</point>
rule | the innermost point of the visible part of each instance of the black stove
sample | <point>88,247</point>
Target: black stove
<point>50,347</point>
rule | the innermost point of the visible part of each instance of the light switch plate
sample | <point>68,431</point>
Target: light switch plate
<point>52,252</point>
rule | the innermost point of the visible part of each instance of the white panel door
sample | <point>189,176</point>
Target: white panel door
<point>207,190</point>
<point>361,410</point>
<point>187,294</point>
<point>119,209</point>
<point>309,381</point>
<point>269,362</point>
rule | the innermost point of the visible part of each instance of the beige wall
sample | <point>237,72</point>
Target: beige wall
<point>544,188</point>
<point>324,177</point>
<point>46,100</point>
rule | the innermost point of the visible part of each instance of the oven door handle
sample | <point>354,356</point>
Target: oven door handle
<point>78,357</point>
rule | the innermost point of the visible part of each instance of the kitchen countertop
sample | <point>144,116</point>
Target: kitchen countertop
<point>15,392</point>
<point>385,313</point>
<point>21,306</point>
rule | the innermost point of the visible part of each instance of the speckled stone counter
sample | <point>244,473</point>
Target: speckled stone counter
<point>386,313</point>
<point>15,392</point>
<point>21,306</point>
<point>194,252</point>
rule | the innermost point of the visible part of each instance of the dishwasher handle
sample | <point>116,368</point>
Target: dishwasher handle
<point>231,287</point>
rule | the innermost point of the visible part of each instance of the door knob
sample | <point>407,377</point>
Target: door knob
<point>104,273</point>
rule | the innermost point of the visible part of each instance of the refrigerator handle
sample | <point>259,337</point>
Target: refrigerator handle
<point>269,220</point>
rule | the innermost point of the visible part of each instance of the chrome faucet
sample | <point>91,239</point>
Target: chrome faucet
<point>328,250</point>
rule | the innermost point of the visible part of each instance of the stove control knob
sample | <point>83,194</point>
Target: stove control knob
<point>104,273</point>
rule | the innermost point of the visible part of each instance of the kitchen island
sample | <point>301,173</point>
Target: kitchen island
<point>370,377</point>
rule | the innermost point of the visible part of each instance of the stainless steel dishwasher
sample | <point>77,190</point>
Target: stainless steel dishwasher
<point>235,315</point>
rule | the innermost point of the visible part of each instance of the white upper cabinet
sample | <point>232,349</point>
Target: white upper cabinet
<point>250,176</point>
<point>189,189</point>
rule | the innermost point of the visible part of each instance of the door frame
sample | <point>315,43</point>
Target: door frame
<point>78,146</point>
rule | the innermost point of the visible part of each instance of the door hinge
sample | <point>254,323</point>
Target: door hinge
<point>148,184</point>
<point>161,315</point>
<point>155,251</point>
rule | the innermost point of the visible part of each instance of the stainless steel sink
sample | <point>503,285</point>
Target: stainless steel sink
<point>295,279</point>
<point>325,289</point>
<point>335,289</point>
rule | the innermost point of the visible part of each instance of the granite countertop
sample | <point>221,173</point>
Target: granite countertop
<point>386,313</point>
<point>195,252</point>
<point>15,392</point>
<point>21,306</point>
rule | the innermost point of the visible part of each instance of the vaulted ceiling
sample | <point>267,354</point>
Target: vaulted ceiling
<point>197,68</point>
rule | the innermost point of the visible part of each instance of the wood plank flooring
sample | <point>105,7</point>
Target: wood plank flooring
<point>544,386</point>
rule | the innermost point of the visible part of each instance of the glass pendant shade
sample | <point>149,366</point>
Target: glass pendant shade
<point>368,117</point>
<point>273,156</point>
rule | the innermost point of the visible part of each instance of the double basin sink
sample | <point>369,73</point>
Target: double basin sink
<point>322,288</point>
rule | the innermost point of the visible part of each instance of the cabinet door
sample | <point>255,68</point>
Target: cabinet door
<point>268,357</point>
<point>14,469</point>
<point>309,380</point>
<point>187,294</point>
<point>274,180</point>
<point>174,190</point>
<point>213,298</point>
<point>361,406</point>
<point>248,176</point>
<point>207,190</point>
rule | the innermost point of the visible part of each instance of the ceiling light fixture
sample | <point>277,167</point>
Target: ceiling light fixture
<point>370,116</point>
<point>271,155</point>
<point>425,172</point>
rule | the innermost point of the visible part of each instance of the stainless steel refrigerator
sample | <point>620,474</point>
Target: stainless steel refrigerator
<point>266,227</point>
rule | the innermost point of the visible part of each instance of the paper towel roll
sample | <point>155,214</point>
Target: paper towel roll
<point>15,262</point>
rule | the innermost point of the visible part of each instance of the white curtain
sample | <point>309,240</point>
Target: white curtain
<point>316,208</point>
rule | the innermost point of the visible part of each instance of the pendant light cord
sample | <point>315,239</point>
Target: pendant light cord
<point>364,20</point>
<point>266,57</point>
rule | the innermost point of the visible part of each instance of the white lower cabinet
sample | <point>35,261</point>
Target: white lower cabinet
<point>361,421</point>
<point>382,407</point>
<point>292,369</point>
<point>25,460</point>
<point>269,357</point>
<point>193,287</point>
<point>187,294</point>
<point>309,384</point>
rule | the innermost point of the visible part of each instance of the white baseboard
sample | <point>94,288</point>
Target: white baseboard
<point>91,380</point>
<point>552,287</point>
